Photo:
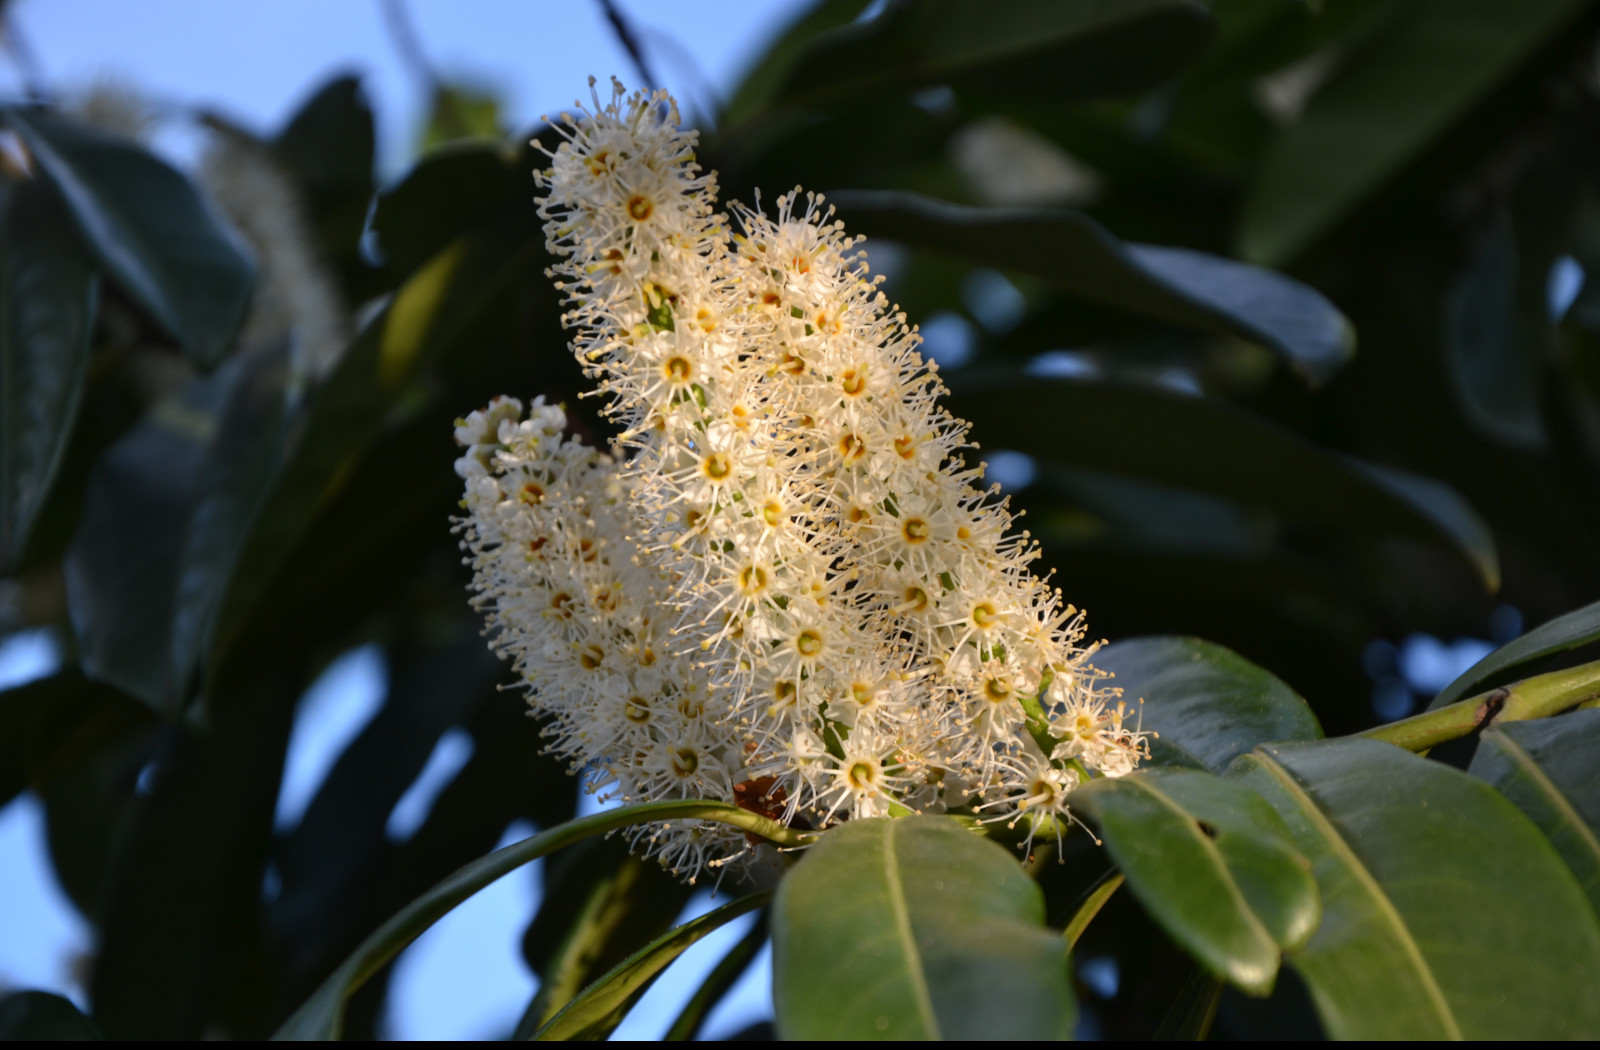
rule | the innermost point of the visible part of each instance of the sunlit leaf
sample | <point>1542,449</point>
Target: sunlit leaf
<point>1547,768</point>
<point>1446,914</point>
<point>915,928</point>
<point>1213,864</point>
<point>1206,704</point>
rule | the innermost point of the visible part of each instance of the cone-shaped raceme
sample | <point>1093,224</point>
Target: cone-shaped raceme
<point>783,587</point>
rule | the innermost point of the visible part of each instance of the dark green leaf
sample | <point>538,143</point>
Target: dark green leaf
<point>599,1008</point>
<point>329,142</point>
<point>167,510</point>
<point>234,481</point>
<point>1207,704</point>
<point>122,566</point>
<point>718,983</point>
<point>321,1016</point>
<point>1568,631</point>
<point>915,928</point>
<point>1213,864</point>
<point>1445,912</point>
<point>598,905</point>
<point>328,147</point>
<point>178,914</point>
<point>48,298</point>
<point>1551,770</point>
<point>42,1017</point>
<point>437,307</point>
<point>1492,362</point>
<point>1055,49</point>
<point>1074,253</point>
<point>1206,446</point>
<point>448,193</point>
<point>49,724</point>
<point>149,229</point>
<point>766,74</point>
<point>1424,74</point>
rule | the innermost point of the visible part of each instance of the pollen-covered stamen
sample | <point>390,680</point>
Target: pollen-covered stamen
<point>677,370</point>
<point>808,644</point>
<point>752,580</point>
<point>685,761</point>
<point>864,775</point>
<point>716,467</point>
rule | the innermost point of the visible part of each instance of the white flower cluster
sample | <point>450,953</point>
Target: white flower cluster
<point>786,590</point>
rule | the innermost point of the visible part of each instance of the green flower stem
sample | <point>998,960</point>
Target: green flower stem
<point>321,1016</point>
<point>1537,697</point>
<point>1090,909</point>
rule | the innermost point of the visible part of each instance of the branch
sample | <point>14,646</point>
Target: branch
<point>1537,697</point>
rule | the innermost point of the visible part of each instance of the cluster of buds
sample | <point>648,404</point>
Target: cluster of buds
<point>783,587</point>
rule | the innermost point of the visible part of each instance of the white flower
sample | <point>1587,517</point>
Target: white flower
<point>784,583</point>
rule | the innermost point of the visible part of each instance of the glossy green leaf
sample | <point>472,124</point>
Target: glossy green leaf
<point>915,929</point>
<point>1550,769</point>
<point>1213,864</point>
<point>1206,704</point>
<point>600,1007</point>
<point>1567,631</point>
<point>1055,49</point>
<point>321,1016</point>
<point>43,1017</point>
<point>149,229</point>
<point>1492,362</point>
<point>1074,253</point>
<point>1446,914</point>
<point>1206,446</point>
<point>48,299</point>
<point>1424,73</point>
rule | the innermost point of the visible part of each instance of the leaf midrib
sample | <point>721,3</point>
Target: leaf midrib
<point>1345,855</point>
<point>1524,762</point>
<point>1214,855</point>
<point>902,928</point>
